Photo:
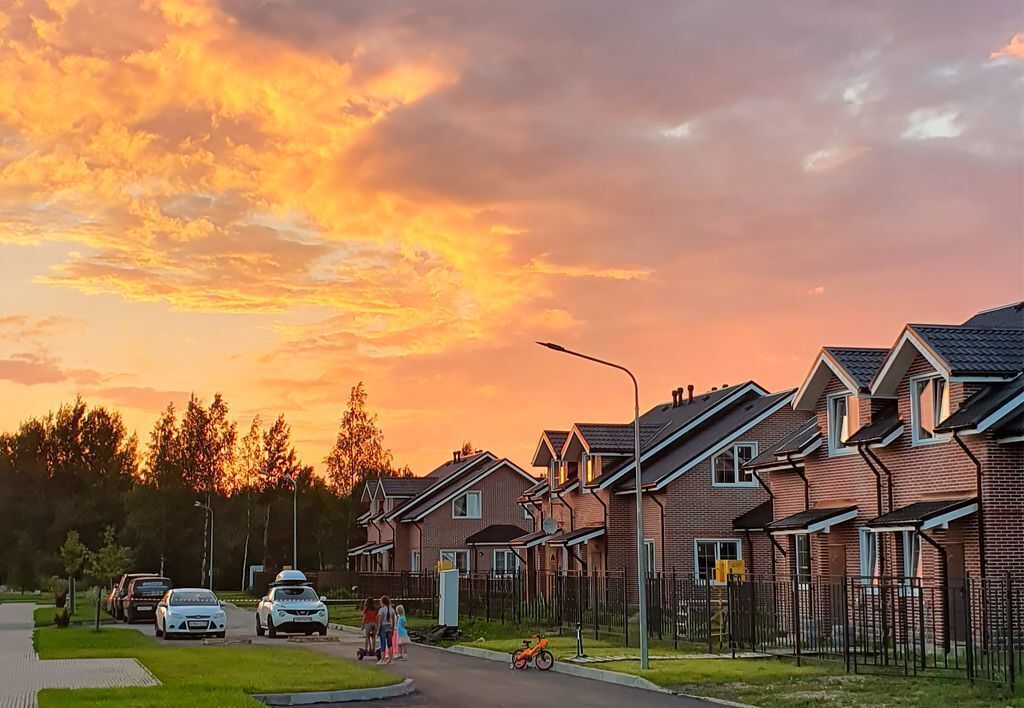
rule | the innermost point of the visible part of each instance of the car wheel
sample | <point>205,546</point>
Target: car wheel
<point>220,635</point>
<point>167,635</point>
<point>271,629</point>
<point>322,631</point>
<point>259,627</point>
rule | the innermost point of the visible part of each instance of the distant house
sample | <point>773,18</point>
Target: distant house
<point>912,464</point>
<point>464,511</point>
<point>694,485</point>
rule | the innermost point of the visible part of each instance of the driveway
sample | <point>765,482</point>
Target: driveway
<point>22,674</point>
<point>446,679</point>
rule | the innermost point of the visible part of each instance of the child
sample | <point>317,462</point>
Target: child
<point>401,632</point>
<point>369,625</point>
<point>385,626</point>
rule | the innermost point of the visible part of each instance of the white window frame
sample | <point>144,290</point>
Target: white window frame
<point>718,556</point>
<point>554,472</point>
<point>836,438</point>
<point>506,553</point>
<point>650,556</point>
<point>454,554</point>
<point>469,513</point>
<point>868,555</point>
<point>736,465</point>
<point>414,562</point>
<point>915,410</point>
<point>802,579</point>
<point>527,512</point>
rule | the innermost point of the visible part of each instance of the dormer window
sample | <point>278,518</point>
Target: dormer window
<point>929,405</point>
<point>554,472</point>
<point>842,421</point>
<point>590,467</point>
<point>569,470</point>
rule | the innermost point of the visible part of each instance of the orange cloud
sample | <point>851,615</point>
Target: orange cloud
<point>1014,49</point>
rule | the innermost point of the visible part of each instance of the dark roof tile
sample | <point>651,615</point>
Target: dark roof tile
<point>801,520</point>
<point>969,351</point>
<point>754,520</point>
<point>495,533</point>
<point>917,513</point>
<point>1006,317</point>
<point>982,404</point>
<point>861,363</point>
<point>885,423</point>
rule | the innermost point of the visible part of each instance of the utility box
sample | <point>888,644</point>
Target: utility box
<point>725,568</point>
<point>448,603</point>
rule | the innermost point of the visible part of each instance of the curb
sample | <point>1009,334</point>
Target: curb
<point>356,694</point>
<point>570,669</point>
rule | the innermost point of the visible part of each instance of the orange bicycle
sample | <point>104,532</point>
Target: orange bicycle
<point>538,655</point>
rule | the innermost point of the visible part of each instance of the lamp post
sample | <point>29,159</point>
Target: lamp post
<point>295,516</point>
<point>641,570</point>
<point>209,510</point>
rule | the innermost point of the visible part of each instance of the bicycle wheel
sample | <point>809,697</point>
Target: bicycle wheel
<point>544,660</point>
<point>518,660</point>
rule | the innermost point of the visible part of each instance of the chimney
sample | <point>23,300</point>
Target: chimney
<point>675,397</point>
<point>689,390</point>
<point>456,454</point>
<point>714,388</point>
<point>725,385</point>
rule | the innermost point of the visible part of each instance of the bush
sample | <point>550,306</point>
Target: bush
<point>60,599</point>
<point>62,619</point>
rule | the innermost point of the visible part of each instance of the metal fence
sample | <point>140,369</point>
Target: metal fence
<point>970,629</point>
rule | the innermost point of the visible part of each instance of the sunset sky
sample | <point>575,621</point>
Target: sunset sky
<point>278,199</point>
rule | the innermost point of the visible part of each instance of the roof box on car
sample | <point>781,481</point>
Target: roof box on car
<point>290,577</point>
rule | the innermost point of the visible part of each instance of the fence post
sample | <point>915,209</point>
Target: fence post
<point>729,599</point>
<point>796,617</point>
<point>1010,635</point>
<point>846,624</point>
<point>968,629</point>
<point>707,604</point>
<point>487,596</point>
<point>675,612</point>
<point>595,603</point>
<point>920,611</point>
<point>625,611</point>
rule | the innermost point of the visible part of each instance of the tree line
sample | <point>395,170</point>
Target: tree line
<point>78,479</point>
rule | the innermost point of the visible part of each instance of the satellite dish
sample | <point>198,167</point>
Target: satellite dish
<point>549,525</point>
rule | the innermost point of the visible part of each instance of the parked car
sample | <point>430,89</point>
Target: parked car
<point>117,593</point>
<point>190,611</point>
<point>142,597</point>
<point>292,606</point>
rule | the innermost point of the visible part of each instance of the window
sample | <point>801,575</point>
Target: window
<point>466,506</point>
<point>802,557</point>
<point>458,558</point>
<point>707,552</point>
<point>590,467</point>
<point>911,554</point>
<point>555,473</point>
<point>842,421</point>
<point>929,405</point>
<point>505,562</point>
<point>414,562</point>
<point>727,466</point>
<point>527,514</point>
<point>868,556</point>
<point>649,560</point>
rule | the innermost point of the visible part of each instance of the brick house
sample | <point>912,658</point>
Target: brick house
<point>464,511</point>
<point>693,485</point>
<point>912,464</point>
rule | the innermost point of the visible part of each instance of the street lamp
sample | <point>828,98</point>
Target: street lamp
<point>209,510</point>
<point>295,516</point>
<point>640,555</point>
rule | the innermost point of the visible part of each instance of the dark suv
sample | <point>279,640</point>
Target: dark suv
<point>142,597</point>
<point>120,589</point>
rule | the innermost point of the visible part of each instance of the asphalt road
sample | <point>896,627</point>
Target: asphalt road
<point>448,680</point>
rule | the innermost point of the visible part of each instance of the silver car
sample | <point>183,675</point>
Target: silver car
<point>190,612</point>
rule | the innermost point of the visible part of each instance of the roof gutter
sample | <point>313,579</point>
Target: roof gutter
<point>878,499</point>
<point>803,476</point>
<point>981,516</point>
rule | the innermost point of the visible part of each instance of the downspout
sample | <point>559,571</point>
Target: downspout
<point>981,517</point>
<point>803,476</point>
<point>888,472</point>
<point>540,519</point>
<point>661,506</point>
<point>779,548</point>
<point>750,544</point>
<point>419,526</point>
<point>944,574</point>
<point>572,514</point>
<point>597,495</point>
<point>765,487</point>
<point>878,500</point>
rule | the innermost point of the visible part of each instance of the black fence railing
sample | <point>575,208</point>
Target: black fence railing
<point>970,629</point>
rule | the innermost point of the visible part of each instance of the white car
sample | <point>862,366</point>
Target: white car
<point>291,606</point>
<point>190,611</point>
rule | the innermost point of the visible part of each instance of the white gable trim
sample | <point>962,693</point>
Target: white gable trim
<point>400,509</point>
<point>814,384</point>
<point>543,442</point>
<point>898,361</point>
<point>646,454</point>
<point>574,431</point>
<point>452,494</point>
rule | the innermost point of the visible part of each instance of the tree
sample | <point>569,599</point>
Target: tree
<point>467,448</point>
<point>110,561</point>
<point>73,554</point>
<point>358,453</point>
<point>280,461</point>
<point>250,462</point>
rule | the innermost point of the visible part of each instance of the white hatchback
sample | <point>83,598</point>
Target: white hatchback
<point>190,611</point>
<point>291,608</point>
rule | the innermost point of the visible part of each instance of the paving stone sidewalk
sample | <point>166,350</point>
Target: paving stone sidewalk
<point>22,673</point>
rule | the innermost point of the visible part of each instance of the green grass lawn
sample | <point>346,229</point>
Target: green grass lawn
<point>85,612</point>
<point>42,598</point>
<point>197,675</point>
